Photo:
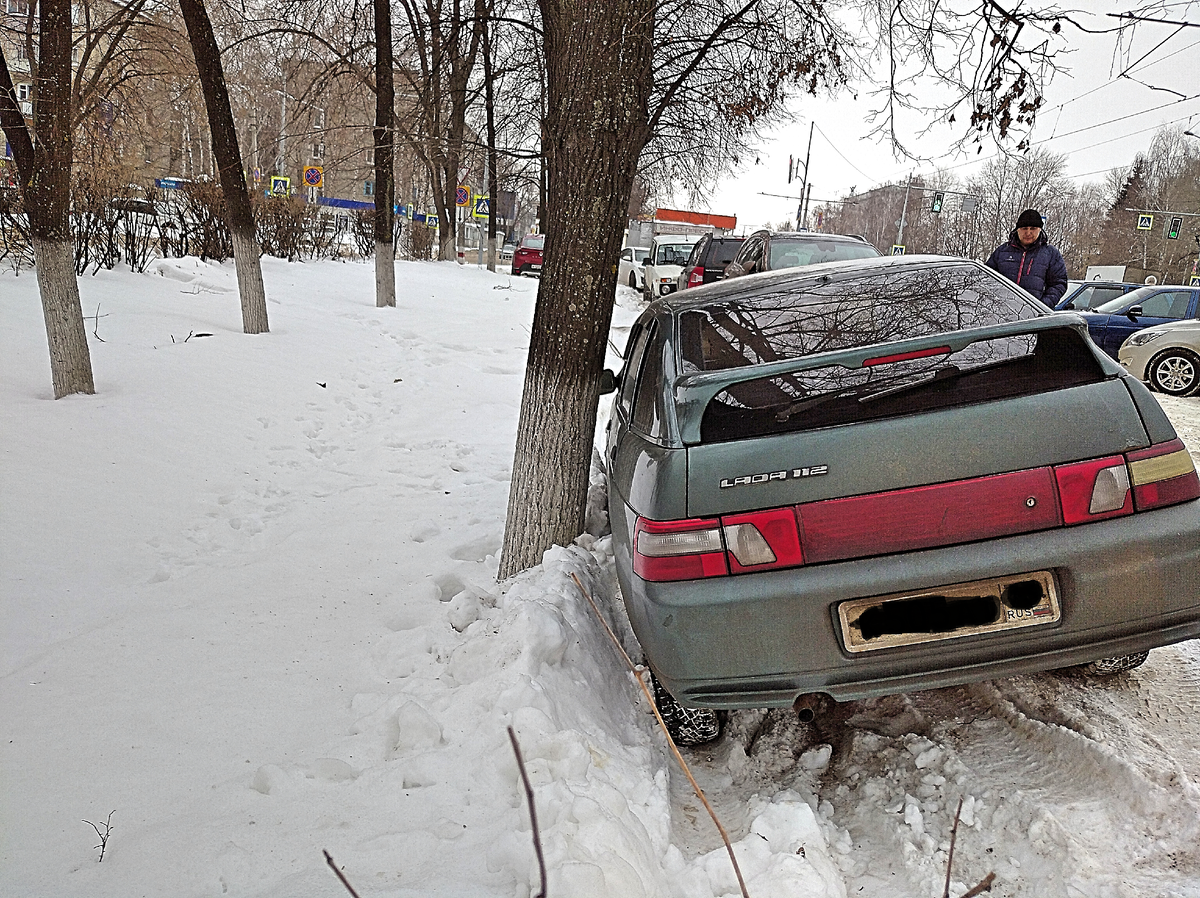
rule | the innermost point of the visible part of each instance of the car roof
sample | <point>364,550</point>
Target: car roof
<point>807,235</point>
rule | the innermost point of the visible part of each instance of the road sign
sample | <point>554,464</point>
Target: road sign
<point>1195,281</point>
<point>480,209</point>
<point>897,249</point>
<point>1145,222</point>
<point>462,196</point>
<point>431,221</point>
<point>169,183</point>
<point>970,204</point>
<point>937,201</point>
<point>1176,226</point>
<point>280,186</point>
<point>314,175</point>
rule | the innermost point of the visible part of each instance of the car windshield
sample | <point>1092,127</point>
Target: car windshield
<point>1131,298</point>
<point>673,254</point>
<point>793,252</point>
<point>537,241</point>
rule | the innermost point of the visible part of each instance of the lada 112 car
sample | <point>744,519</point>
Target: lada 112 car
<point>867,477</point>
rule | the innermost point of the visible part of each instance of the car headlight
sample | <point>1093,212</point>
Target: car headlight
<point>1144,337</point>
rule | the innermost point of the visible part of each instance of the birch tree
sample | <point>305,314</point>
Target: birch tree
<point>44,167</point>
<point>239,215</point>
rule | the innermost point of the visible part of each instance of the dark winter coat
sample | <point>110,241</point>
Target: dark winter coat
<point>1040,269</point>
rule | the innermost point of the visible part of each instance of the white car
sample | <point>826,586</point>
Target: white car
<point>1167,356</point>
<point>629,269</point>
<point>668,254</point>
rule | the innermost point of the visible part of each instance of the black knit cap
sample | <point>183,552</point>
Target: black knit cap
<point>1030,218</point>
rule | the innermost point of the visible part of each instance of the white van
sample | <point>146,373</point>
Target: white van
<point>668,254</point>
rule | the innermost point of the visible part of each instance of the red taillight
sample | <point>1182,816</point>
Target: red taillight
<point>1162,475</point>
<point>696,276</point>
<point>928,516</point>
<point>1093,490</point>
<point>678,550</point>
<point>762,540</point>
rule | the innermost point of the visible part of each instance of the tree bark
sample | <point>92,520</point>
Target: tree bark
<point>45,172</point>
<point>385,143</point>
<point>239,214</point>
<point>598,58</point>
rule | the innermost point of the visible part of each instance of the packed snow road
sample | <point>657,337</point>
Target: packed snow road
<point>1070,784</point>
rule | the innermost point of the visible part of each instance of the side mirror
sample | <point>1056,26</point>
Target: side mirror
<point>608,382</point>
<point>1134,313</point>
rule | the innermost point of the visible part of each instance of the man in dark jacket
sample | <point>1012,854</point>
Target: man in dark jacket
<point>1028,259</point>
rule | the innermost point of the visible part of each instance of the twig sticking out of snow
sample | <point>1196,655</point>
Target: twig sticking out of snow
<point>984,885</point>
<point>338,873</point>
<point>102,833</point>
<point>637,672</point>
<point>537,838</point>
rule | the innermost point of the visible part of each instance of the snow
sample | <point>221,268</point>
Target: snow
<point>250,608</point>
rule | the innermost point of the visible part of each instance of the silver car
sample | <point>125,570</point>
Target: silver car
<point>1166,356</point>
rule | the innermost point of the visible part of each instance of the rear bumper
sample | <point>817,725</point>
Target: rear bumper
<point>759,640</point>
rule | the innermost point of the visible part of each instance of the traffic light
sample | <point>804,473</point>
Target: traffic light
<point>1176,226</point>
<point>937,201</point>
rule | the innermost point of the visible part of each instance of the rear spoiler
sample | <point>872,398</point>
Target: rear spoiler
<point>693,392</point>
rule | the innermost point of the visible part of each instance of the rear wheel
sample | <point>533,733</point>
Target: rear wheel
<point>1107,667</point>
<point>633,280</point>
<point>1175,372</point>
<point>687,726</point>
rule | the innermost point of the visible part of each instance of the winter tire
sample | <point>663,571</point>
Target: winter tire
<point>687,726</point>
<point>633,280</point>
<point>1106,667</point>
<point>1175,372</point>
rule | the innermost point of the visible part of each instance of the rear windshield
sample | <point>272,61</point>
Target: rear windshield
<point>827,314</point>
<point>723,252</point>
<point>856,312</point>
<point>793,252</point>
<point>536,241</point>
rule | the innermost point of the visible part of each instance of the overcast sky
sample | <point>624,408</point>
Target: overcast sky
<point>1093,117</point>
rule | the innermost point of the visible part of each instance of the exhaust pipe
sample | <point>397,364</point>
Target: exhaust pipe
<point>810,704</point>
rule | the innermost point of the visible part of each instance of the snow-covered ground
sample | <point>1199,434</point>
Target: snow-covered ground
<point>249,608</point>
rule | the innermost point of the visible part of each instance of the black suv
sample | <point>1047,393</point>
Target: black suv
<point>772,250</point>
<point>708,260</point>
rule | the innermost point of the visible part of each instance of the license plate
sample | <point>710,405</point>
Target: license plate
<point>949,612</point>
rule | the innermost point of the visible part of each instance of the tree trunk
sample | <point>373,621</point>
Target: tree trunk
<point>598,58</point>
<point>45,173</point>
<point>239,214</point>
<point>385,141</point>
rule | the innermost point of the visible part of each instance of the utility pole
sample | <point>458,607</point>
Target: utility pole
<point>802,212</point>
<point>904,212</point>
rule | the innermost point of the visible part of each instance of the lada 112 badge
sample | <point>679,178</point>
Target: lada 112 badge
<point>793,474</point>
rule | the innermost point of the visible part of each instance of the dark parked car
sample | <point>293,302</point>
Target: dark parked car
<point>772,250</point>
<point>1113,322</point>
<point>870,477</point>
<point>708,260</point>
<point>1083,295</point>
<point>527,258</point>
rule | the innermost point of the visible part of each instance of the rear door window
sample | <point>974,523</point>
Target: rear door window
<point>648,417</point>
<point>633,361</point>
